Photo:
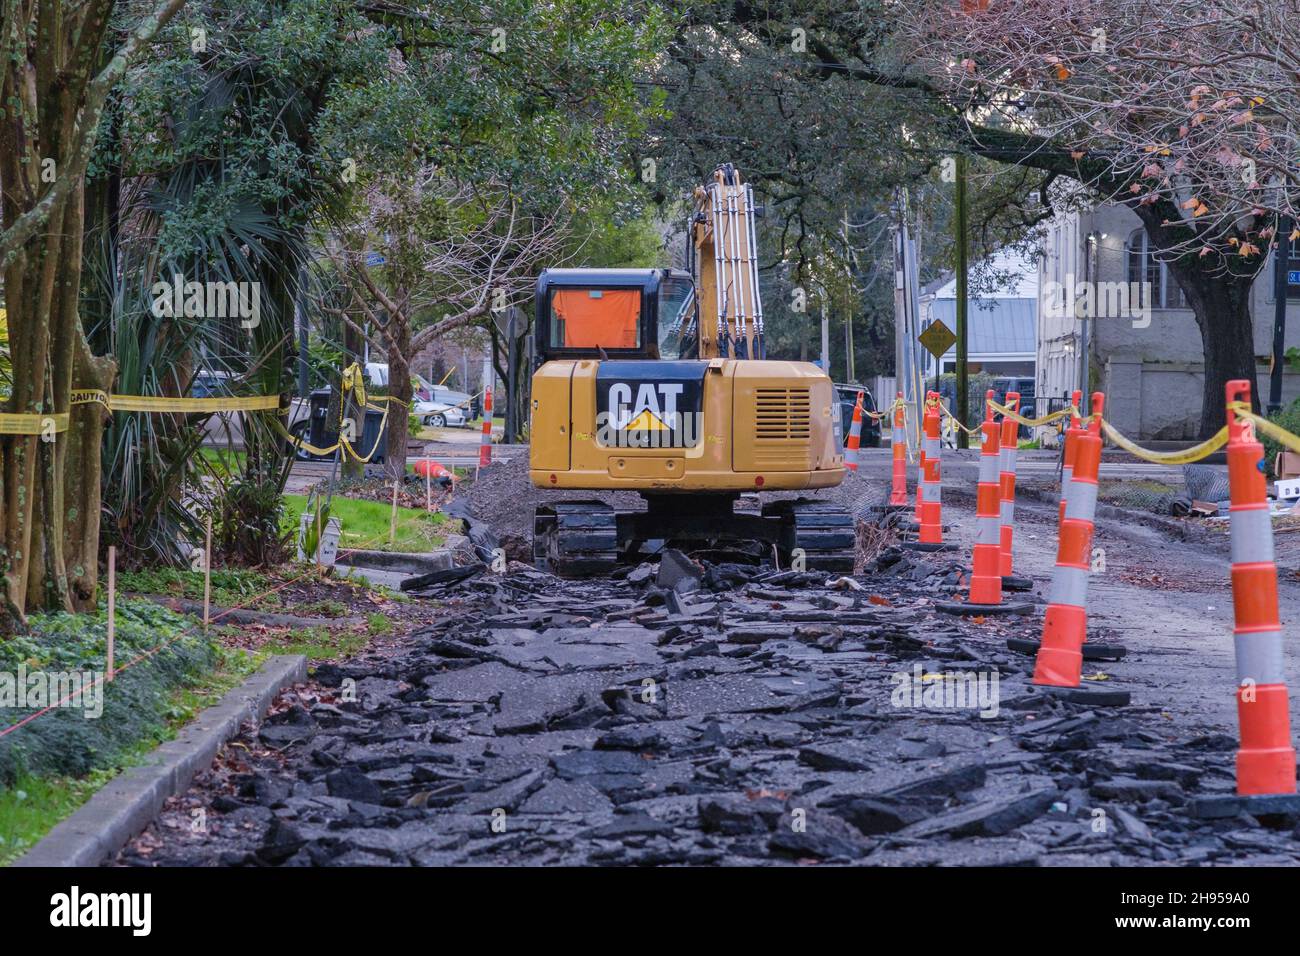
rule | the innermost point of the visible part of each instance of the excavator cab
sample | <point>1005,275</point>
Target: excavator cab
<point>616,314</point>
<point>655,381</point>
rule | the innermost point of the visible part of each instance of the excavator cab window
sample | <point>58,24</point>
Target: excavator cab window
<point>616,314</point>
<point>677,338</point>
<point>595,319</point>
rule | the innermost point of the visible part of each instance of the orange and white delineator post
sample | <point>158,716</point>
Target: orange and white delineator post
<point>1065,626</point>
<point>1266,760</point>
<point>855,436</point>
<point>986,575</point>
<point>929,493</point>
<point>898,493</point>
<point>1007,481</point>
<point>485,447</point>
<point>1067,453</point>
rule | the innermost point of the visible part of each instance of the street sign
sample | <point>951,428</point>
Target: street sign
<point>937,338</point>
<point>1293,278</point>
<point>375,259</point>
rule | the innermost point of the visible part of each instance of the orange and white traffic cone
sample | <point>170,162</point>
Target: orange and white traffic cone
<point>1266,759</point>
<point>1067,452</point>
<point>986,559</point>
<point>855,436</point>
<point>1009,442</point>
<point>1092,651</point>
<point>929,492</point>
<point>1266,768</point>
<point>1059,664</point>
<point>898,492</point>
<point>485,447</point>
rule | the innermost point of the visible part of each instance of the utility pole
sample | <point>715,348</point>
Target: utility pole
<point>848,305</point>
<point>1281,266</point>
<point>1091,255</point>
<point>826,337</point>
<point>963,268</point>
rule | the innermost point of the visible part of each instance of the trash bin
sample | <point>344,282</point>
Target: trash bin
<point>324,433</point>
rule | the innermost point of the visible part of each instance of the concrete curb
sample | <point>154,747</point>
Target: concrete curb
<point>408,563</point>
<point>128,803</point>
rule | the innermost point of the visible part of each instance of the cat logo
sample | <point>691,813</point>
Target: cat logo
<point>649,404</point>
<point>655,408</point>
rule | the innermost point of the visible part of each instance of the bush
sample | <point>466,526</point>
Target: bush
<point>64,741</point>
<point>247,530</point>
<point>976,387</point>
<point>1288,418</point>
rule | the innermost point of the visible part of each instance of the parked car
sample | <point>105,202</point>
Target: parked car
<point>436,405</point>
<point>441,414</point>
<point>1025,386</point>
<point>847,397</point>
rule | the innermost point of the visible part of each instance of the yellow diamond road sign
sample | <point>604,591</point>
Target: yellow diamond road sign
<point>937,338</point>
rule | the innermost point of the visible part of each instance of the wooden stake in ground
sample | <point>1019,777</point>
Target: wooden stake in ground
<point>392,524</point>
<point>207,576</point>
<point>112,610</point>
<point>428,485</point>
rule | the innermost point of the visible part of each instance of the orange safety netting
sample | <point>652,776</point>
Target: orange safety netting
<point>610,318</point>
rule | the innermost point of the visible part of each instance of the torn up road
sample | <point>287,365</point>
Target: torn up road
<point>700,714</point>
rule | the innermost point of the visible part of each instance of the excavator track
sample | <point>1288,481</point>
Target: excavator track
<point>825,533</point>
<point>576,538</point>
<point>588,538</point>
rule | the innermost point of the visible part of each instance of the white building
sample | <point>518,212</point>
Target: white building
<point>1002,334</point>
<point>1148,360</point>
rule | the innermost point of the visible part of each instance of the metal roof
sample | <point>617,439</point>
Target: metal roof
<point>1006,326</point>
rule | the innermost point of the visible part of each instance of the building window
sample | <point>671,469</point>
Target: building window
<point>1153,275</point>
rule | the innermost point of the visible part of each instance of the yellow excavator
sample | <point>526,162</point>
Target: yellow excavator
<point>655,381</point>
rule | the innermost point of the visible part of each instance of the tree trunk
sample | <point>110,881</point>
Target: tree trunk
<point>353,347</point>
<point>1221,305</point>
<point>399,388</point>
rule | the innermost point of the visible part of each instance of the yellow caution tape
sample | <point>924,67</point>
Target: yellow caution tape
<point>1187,456</point>
<point>1271,429</point>
<point>32,424</point>
<point>354,380</point>
<point>1047,419</point>
<point>887,412</point>
<point>953,418</point>
<point>303,444</point>
<point>163,403</point>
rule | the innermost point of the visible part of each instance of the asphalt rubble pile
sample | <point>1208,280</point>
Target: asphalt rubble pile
<point>690,712</point>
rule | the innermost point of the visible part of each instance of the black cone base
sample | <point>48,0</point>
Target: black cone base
<point>1091,652</point>
<point>1221,807</point>
<point>1089,694</point>
<point>965,607</point>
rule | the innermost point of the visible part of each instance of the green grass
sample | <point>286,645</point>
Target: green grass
<point>230,586</point>
<point>33,805</point>
<point>366,524</point>
<point>322,608</point>
<point>378,624</point>
<point>223,460</point>
<point>318,643</point>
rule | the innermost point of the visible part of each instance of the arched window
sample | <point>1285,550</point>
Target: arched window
<point>1144,268</point>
